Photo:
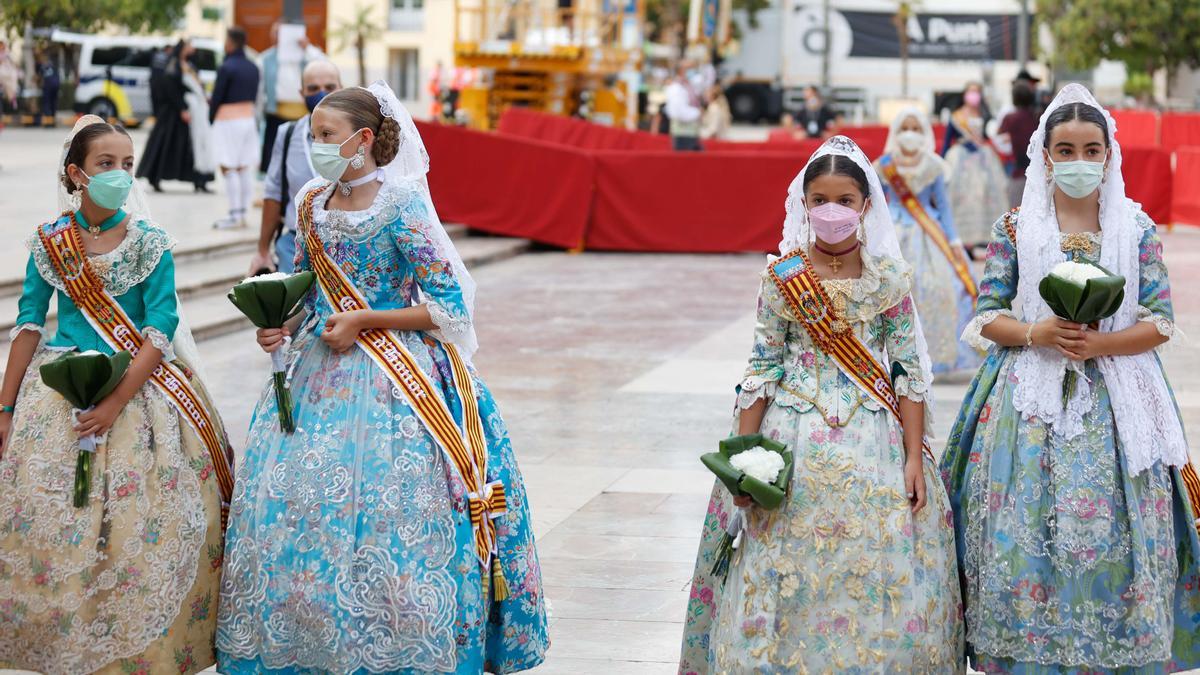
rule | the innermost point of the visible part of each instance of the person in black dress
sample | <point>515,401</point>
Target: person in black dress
<point>168,154</point>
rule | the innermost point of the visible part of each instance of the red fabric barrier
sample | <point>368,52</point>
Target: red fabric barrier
<point>508,186</point>
<point>1185,207</point>
<point>1180,129</point>
<point>1136,127</point>
<point>1149,180</point>
<point>710,203</point>
<point>576,133</point>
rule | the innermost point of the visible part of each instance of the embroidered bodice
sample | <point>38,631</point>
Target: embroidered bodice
<point>139,273</point>
<point>788,367</point>
<point>388,251</point>
<point>998,290</point>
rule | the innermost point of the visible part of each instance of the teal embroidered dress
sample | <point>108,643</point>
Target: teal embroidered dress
<point>350,549</point>
<point>1070,564</point>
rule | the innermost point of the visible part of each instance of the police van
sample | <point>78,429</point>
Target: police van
<point>113,72</point>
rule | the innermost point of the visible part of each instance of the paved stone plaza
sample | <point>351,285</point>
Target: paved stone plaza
<point>614,372</point>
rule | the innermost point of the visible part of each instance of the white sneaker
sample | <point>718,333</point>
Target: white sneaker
<point>228,223</point>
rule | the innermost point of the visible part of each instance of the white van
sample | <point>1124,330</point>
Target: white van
<point>114,72</point>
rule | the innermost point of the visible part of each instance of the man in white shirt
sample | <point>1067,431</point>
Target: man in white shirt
<point>683,108</point>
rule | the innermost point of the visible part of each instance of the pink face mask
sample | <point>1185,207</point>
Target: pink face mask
<point>972,98</point>
<point>833,223</point>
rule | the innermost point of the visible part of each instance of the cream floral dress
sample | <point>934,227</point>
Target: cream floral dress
<point>842,578</point>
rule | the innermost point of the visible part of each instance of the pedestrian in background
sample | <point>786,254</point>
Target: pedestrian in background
<point>289,170</point>
<point>684,108</point>
<point>979,190</point>
<point>170,152</point>
<point>717,117</point>
<point>48,79</point>
<point>280,84</point>
<point>1017,128</point>
<point>234,131</point>
<point>10,87</point>
<point>815,120</point>
<point>914,180</point>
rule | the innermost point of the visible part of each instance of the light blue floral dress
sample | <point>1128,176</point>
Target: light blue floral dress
<point>1070,564</point>
<point>842,578</point>
<point>936,286</point>
<point>350,549</point>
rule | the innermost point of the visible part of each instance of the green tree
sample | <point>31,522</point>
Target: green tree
<point>85,16</point>
<point>355,34</point>
<point>1145,35</point>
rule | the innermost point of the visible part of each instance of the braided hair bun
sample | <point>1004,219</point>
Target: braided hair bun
<point>387,141</point>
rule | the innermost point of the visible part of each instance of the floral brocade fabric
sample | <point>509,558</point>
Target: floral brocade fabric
<point>843,578</point>
<point>350,549</point>
<point>1070,563</point>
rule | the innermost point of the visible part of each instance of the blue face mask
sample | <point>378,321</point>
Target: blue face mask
<point>312,100</point>
<point>110,189</point>
<point>327,158</point>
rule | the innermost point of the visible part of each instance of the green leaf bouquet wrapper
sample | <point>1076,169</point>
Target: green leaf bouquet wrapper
<point>270,301</point>
<point>84,380</point>
<point>769,496</point>
<point>1096,300</point>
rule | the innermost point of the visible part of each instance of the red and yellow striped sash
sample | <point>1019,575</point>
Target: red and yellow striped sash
<point>954,255</point>
<point>802,291</point>
<point>64,248</point>
<point>486,500</point>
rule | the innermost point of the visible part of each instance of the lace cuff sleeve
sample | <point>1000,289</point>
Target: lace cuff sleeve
<point>21,328</point>
<point>451,327</point>
<point>762,385</point>
<point>1165,326</point>
<point>911,388</point>
<point>159,339</point>
<point>973,333</point>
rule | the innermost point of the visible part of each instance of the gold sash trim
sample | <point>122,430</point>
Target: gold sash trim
<point>954,256</point>
<point>486,500</point>
<point>64,248</point>
<point>800,288</point>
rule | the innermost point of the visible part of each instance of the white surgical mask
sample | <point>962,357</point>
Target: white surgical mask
<point>910,141</point>
<point>327,159</point>
<point>1080,178</point>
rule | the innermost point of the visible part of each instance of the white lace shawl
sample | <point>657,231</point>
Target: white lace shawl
<point>931,164</point>
<point>1147,423</point>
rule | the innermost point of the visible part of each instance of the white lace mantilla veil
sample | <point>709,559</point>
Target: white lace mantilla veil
<point>409,168</point>
<point>183,344</point>
<point>928,149</point>
<point>1147,422</point>
<point>878,234</point>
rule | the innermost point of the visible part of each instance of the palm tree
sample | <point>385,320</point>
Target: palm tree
<point>356,33</point>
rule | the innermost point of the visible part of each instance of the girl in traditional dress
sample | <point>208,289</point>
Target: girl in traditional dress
<point>128,583</point>
<point>980,187</point>
<point>855,573</point>
<point>1075,536</point>
<point>914,180</point>
<point>379,537</point>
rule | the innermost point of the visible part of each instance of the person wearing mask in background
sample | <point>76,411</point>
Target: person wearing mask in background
<point>815,119</point>
<point>234,132</point>
<point>289,170</point>
<point>280,82</point>
<point>717,116</point>
<point>979,189</point>
<point>683,108</point>
<point>47,74</point>
<point>1018,127</point>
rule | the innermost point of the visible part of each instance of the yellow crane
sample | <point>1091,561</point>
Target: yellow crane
<point>566,57</point>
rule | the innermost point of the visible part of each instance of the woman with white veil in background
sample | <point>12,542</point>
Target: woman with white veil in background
<point>1076,537</point>
<point>914,180</point>
<point>127,581</point>
<point>855,572</point>
<point>390,532</point>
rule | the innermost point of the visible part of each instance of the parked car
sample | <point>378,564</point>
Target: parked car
<point>113,72</point>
